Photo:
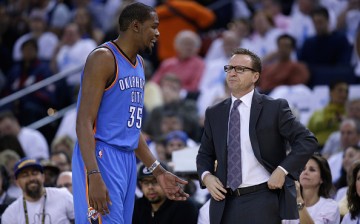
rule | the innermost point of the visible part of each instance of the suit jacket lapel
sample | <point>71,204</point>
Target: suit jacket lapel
<point>256,107</point>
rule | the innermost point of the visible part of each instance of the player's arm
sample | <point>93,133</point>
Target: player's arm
<point>99,69</point>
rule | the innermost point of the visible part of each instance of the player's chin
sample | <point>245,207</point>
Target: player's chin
<point>148,50</point>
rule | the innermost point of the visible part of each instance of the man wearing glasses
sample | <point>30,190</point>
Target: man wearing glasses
<point>248,134</point>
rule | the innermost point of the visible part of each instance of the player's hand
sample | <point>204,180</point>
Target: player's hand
<point>277,179</point>
<point>98,194</point>
<point>172,186</point>
<point>215,187</point>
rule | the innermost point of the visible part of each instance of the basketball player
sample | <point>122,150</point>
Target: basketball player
<point>108,125</point>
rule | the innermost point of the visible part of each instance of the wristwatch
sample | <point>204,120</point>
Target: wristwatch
<point>300,205</point>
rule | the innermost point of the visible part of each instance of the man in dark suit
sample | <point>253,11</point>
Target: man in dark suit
<point>253,181</point>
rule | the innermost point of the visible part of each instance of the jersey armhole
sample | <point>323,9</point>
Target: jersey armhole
<point>116,73</point>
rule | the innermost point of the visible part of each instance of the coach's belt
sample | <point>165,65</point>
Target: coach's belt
<point>246,190</point>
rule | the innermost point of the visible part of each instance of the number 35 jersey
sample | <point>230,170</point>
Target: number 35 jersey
<point>120,113</point>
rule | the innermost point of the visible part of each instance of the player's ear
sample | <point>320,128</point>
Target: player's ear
<point>135,25</point>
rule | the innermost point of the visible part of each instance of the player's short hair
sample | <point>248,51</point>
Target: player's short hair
<point>135,11</point>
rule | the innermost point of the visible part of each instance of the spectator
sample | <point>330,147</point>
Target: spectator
<point>32,141</point>
<point>313,193</point>
<point>263,40</point>
<point>327,54</point>
<point>86,26</point>
<point>65,180</point>
<point>325,121</point>
<point>301,26</point>
<point>26,72</point>
<point>8,158</point>
<point>154,207</point>
<point>63,144</point>
<point>335,143</point>
<point>61,160</point>
<point>51,173</point>
<point>72,52</point>
<point>186,65</point>
<point>178,15</point>
<point>235,36</point>
<point>57,13</point>
<point>51,205</point>
<point>184,112</point>
<point>46,41</point>
<point>353,195</point>
<point>284,71</point>
<point>351,157</point>
<point>5,198</point>
<point>350,135</point>
<point>174,141</point>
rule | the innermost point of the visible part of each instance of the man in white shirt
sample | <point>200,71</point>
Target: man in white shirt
<point>32,141</point>
<point>38,204</point>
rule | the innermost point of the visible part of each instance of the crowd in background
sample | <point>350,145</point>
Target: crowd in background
<point>300,42</point>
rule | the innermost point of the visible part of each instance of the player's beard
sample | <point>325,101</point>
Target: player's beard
<point>34,192</point>
<point>148,50</point>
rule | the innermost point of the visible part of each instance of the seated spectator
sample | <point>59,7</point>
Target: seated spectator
<point>235,36</point>
<point>8,158</point>
<point>26,72</point>
<point>86,26</point>
<point>154,207</point>
<point>183,110</point>
<point>284,70</point>
<point>327,54</point>
<point>61,160</point>
<point>11,142</point>
<point>38,203</point>
<point>63,144</point>
<point>32,141</point>
<point>178,15</point>
<point>72,52</point>
<point>313,193</point>
<point>51,173</point>
<point>340,196</point>
<point>335,143</point>
<point>263,39</point>
<point>350,135</point>
<point>353,194</point>
<point>5,198</point>
<point>174,141</point>
<point>186,65</point>
<point>46,41</point>
<point>65,180</point>
<point>327,120</point>
<point>351,155</point>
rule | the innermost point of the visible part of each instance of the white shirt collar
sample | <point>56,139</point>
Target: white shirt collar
<point>246,99</point>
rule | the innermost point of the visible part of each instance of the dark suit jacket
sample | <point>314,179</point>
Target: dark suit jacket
<point>272,126</point>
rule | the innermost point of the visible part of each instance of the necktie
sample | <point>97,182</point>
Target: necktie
<point>234,174</point>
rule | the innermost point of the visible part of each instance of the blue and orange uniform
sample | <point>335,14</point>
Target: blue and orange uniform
<point>116,132</point>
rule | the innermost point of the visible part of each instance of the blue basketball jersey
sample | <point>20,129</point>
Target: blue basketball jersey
<point>120,113</point>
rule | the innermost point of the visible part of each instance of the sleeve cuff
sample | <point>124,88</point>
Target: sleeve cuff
<point>203,175</point>
<point>282,168</point>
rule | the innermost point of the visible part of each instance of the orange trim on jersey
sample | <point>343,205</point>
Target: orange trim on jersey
<point>117,70</point>
<point>94,127</point>
<point>136,63</point>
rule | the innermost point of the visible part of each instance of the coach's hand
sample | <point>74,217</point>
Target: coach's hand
<point>171,184</point>
<point>215,187</point>
<point>98,194</point>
